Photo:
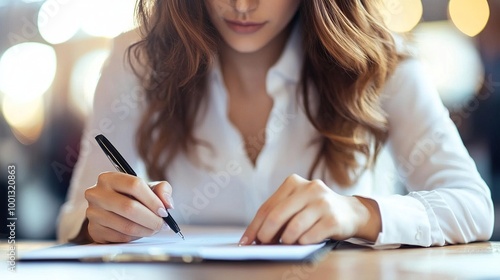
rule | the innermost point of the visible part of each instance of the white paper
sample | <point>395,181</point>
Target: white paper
<point>207,243</point>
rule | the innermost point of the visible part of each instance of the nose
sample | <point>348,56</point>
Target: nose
<point>244,6</point>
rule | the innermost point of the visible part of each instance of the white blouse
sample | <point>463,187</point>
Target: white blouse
<point>448,202</point>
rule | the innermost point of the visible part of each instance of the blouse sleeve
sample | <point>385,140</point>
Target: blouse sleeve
<point>115,114</point>
<point>448,201</point>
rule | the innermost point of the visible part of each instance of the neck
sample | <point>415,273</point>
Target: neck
<point>249,70</point>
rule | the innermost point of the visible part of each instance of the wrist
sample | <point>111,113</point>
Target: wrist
<point>369,222</point>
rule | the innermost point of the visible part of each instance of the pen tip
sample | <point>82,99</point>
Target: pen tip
<point>181,235</point>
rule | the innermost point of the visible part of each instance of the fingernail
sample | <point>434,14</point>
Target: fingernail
<point>168,197</point>
<point>162,212</point>
<point>243,241</point>
<point>153,184</point>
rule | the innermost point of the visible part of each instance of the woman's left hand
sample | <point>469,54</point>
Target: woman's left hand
<point>306,212</point>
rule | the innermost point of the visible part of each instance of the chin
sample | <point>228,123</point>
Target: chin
<point>246,47</point>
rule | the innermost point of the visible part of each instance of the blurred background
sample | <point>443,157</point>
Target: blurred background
<point>51,53</point>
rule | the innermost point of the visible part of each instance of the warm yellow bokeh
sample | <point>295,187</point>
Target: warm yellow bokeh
<point>26,118</point>
<point>469,16</point>
<point>58,21</point>
<point>402,16</point>
<point>27,70</point>
<point>108,18</point>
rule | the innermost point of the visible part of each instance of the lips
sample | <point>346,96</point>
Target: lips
<point>244,27</point>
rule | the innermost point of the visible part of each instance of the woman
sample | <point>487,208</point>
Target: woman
<point>271,114</point>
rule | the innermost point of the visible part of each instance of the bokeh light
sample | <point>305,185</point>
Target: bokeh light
<point>84,78</point>
<point>451,60</point>
<point>108,18</point>
<point>58,21</point>
<point>469,16</point>
<point>26,118</point>
<point>402,16</point>
<point>27,70</point>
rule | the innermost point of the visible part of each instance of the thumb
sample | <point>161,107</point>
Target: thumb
<point>163,190</point>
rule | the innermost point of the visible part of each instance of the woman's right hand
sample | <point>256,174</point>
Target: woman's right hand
<point>123,208</point>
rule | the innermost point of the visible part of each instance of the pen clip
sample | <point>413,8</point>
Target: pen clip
<point>118,167</point>
<point>114,156</point>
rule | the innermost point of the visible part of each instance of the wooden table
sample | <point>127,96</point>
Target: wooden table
<point>472,261</point>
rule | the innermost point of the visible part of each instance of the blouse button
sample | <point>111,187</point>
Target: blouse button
<point>418,235</point>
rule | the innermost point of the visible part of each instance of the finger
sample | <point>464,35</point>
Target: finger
<point>280,215</point>
<point>300,224</point>
<point>102,234</point>
<point>276,239</point>
<point>124,206</point>
<point>118,223</point>
<point>288,186</point>
<point>164,191</point>
<point>133,186</point>
<point>250,234</point>
<point>321,230</point>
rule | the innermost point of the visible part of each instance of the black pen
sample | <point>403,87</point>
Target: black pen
<point>121,165</point>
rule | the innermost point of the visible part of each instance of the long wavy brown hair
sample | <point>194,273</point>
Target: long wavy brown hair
<point>348,57</point>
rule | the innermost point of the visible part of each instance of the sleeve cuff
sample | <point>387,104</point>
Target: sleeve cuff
<point>404,221</point>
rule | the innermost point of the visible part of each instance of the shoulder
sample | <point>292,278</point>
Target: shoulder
<point>118,57</point>
<point>409,74</point>
<point>410,98</point>
<point>409,81</point>
<point>410,93</point>
<point>127,38</point>
<point>117,76</point>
